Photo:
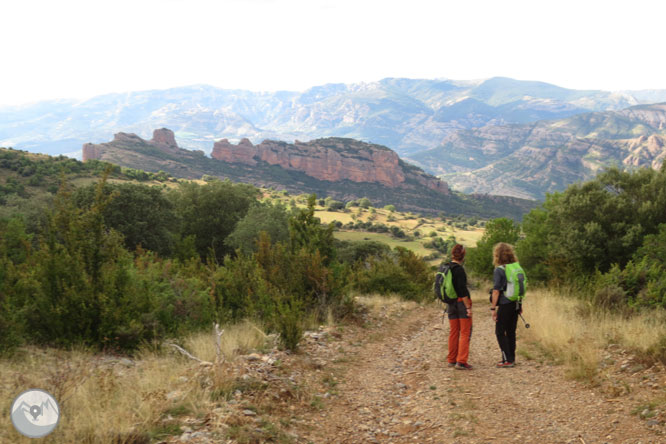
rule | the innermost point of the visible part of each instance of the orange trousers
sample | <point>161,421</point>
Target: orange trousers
<point>460,333</point>
<point>459,336</point>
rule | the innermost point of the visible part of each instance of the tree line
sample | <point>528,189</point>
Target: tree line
<point>605,238</point>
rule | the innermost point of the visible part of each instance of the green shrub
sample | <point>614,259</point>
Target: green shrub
<point>142,214</point>
<point>480,259</point>
<point>400,272</point>
<point>289,322</point>
<point>641,284</point>
<point>597,224</point>
<point>11,330</point>
<point>210,213</point>
<point>272,219</point>
<point>334,205</point>
<point>352,252</point>
<point>397,232</point>
<point>534,250</point>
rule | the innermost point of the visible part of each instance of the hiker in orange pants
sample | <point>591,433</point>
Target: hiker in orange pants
<point>460,313</point>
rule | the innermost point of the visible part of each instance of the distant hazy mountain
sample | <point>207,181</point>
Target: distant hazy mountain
<point>529,160</point>
<point>404,114</point>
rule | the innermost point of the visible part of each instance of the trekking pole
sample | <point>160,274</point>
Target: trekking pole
<point>521,317</point>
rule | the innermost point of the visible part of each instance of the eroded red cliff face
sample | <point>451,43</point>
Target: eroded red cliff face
<point>332,159</point>
<point>91,151</point>
<point>163,138</point>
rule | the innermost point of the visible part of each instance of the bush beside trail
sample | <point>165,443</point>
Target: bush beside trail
<point>604,238</point>
<point>88,276</point>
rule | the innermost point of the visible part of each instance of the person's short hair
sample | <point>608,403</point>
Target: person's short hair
<point>503,254</point>
<point>458,252</point>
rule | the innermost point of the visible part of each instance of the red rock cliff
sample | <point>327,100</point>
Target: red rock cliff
<point>162,138</point>
<point>332,159</point>
<point>91,151</point>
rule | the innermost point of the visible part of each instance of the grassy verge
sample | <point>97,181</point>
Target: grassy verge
<point>385,306</point>
<point>567,330</point>
<point>106,399</point>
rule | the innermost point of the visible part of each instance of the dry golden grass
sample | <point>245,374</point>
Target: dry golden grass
<point>114,400</point>
<point>98,402</point>
<point>327,217</point>
<point>566,329</point>
<point>237,339</point>
<point>415,245</point>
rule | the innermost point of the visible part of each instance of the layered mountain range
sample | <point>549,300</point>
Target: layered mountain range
<point>405,114</point>
<point>530,160</point>
<point>497,136</point>
<point>341,168</point>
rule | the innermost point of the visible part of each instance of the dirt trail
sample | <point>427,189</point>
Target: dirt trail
<point>399,390</point>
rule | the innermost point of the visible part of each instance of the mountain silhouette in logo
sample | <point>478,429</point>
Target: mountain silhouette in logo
<point>45,406</point>
<point>42,425</point>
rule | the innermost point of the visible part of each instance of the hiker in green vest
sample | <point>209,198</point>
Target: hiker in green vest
<point>451,288</point>
<point>509,284</point>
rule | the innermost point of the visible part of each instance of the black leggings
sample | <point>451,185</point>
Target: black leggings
<point>505,330</point>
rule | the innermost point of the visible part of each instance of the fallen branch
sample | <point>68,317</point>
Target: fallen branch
<point>260,332</point>
<point>188,354</point>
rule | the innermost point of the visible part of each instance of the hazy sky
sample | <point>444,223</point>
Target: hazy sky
<point>69,48</point>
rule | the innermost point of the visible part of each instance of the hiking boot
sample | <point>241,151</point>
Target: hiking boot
<point>463,366</point>
<point>500,364</point>
<point>451,364</point>
<point>505,364</point>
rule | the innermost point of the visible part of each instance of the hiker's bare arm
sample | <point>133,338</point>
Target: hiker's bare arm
<point>468,304</point>
<point>494,302</point>
<point>495,298</point>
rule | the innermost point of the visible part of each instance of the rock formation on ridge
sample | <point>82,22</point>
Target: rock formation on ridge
<point>332,159</point>
<point>163,138</point>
